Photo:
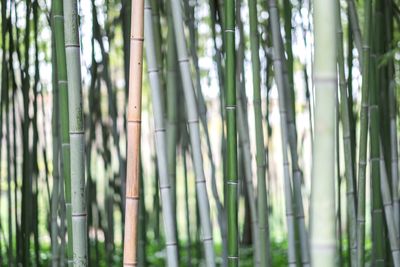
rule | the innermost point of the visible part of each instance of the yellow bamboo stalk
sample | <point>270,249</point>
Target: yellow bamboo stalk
<point>133,137</point>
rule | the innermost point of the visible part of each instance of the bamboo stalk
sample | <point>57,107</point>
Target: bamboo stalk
<point>76,134</point>
<point>362,143</point>
<point>278,68</point>
<point>297,175</point>
<point>378,232</point>
<point>231,151</point>
<point>389,211</point>
<point>62,87</point>
<point>159,135</point>
<point>56,176</point>
<point>133,134</point>
<point>347,145</point>
<point>245,140</point>
<point>194,132</point>
<point>322,220</point>
<point>355,28</point>
<point>260,151</point>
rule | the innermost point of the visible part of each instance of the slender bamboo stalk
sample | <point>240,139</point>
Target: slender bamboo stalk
<point>56,148</point>
<point>260,155</point>
<point>172,99</point>
<point>231,151</point>
<point>347,144</point>
<point>362,143</point>
<point>378,230</point>
<point>189,239</point>
<point>62,88</point>
<point>76,134</point>
<point>389,212</point>
<point>278,63</point>
<point>193,121</point>
<point>159,133</point>
<point>322,220</point>
<point>389,13</point>
<point>221,213</point>
<point>297,175</point>
<point>355,28</point>
<point>244,138</point>
<point>133,134</point>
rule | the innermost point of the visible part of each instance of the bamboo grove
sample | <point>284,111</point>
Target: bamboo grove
<point>199,133</point>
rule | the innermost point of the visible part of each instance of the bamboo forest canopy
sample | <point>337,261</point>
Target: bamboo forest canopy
<point>199,133</point>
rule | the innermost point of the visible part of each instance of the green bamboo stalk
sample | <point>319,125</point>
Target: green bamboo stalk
<point>62,87</point>
<point>26,190</point>
<point>339,190</point>
<point>56,176</point>
<point>362,143</point>
<point>193,117</point>
<point>322,220</point>
<point>244,139</point>
<point>389,212</point>
<point>355,28</point>
<point>393,120</point>
<point>278,70</point>
<point>5,88</point>
<point>260,155</point>
<point>231,151</point>
<point>347,144</point>
<point>378,230</point>
<point>159,133</point>
<point>76,134</point>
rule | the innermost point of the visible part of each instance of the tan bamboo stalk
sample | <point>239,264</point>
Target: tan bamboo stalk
<point>133,134</point>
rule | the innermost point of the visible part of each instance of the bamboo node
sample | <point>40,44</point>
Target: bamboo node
<point>71,45</point>
<point>193,121</point>
<point>183,60</point>
<point>139,39</point>
<point>159,130</point>
<point>152,70</point>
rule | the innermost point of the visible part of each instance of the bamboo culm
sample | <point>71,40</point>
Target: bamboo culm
<point>362,143</point>
<point>231,151</point>
<point>278,61</point>
<point>159,135</point>
<point>133,134</point>
<point>76,134</point>
<point>260,146</point>
<point>389,212</point>
<point>245,140</point>
<point>322,220</point>
<point>347,145</point>
<point>194,132</point>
